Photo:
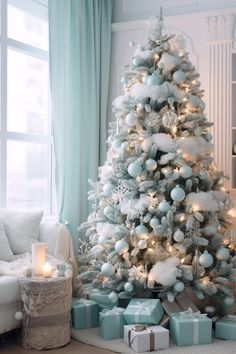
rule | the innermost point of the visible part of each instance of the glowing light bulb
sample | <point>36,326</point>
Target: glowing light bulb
<point>185,99</point>
<point>156,56</point>
<point>195,208</point>
<point>182,218</point>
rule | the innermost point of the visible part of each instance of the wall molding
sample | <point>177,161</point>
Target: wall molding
<point>220,27</point>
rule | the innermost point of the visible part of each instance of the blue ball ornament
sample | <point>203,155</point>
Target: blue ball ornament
<point>107,269</point>
<point>177,194</point>
<point>179,286</point>
<point>185,171</point>
<point>113,297</point>
<point>193,101</point>
<point>208,137</point>
<point>154,79</point>
<point>142,244</point>
<point>178,235</point>
<point>131,119</point>
<point>223,254</point>
<point>108,210</point>
<point>206,259</point>
<point>135,169</point>
<point>229,300</point>
<point>151,165</point>
<point>159,229</point>
<point>128,287</point>
<point>141,230</point>
<point>179,76</point>
<point>164,206</point>
<point>137,61</point>
<point>116,144</point>
<point>121,246</point>
<point>210,230</point>
<point>108,188</point>
<point>154,222</point>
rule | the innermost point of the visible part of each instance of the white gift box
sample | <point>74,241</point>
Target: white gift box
<point>144,339</point>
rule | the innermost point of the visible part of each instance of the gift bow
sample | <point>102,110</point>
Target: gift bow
<point>114,311</point>
<point>142,306</point>
<point>190,314</point>
<point>85,302</point>
<point>138,329</point>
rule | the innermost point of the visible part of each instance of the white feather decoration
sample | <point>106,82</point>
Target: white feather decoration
<point>165,272</point>
<point>194,146</point>
<point>140,91</point>
<point>206,201</point>
<point>145,54</point>
<point>105,172</point>
<point>166,158</point>
<point>164,142</point>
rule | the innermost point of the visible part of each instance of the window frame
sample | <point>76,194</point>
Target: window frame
<point>5,135</point>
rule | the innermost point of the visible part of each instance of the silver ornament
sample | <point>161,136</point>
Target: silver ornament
<point>169,119</point>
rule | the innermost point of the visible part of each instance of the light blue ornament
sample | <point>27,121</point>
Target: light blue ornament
<point>164,206</point>
<point>229,300</point>
<point>128,287</point>
<point>178,235</point>
<point>179,76</point>
<point>108,210</point>
<point>131,119</point>
<point>141,230</point>
<point>179,286</point>
<point>132,43</point>
<point>124,146</point>
<point>223,254</point>
<point>137,61</point>
<point>208,137</point>
<point>142,244</point>
<point>177,194</point>
<point>206,259</point>
<point>210,230</point>
<point>108,188</point>
<point>113,297</point>
<point>193,101</point>
<point>151,165</point>
<point>202,104</point>
<point>107,269</point>
<point>154,222</point>
<point>154,79</point>
<point>185,171</point>
<point>116,143</point>
<point>135,169</point>
<point>121,246</point>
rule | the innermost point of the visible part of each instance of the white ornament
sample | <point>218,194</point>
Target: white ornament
<point>18,315</point>
<point>131,119</point>
<point>141,230</point>
<point>179,76</point>
<point>168,61</point>
<point>128,287</point>
<point>169,119</point>
<point>206,259</point>
<point>132,43</point>
<point>229,301</point>
<point>121,246</point>
<point>68,273</point>
<point>154,222</point>
<point>124,146</point>
<point>193,101</point>
<point>185,171</point>
<point>178,235</point>
<point>116,144</point>
<point>107,188</point>
<point>177,194</point>
<point>151,165</point>
<point>164,206</point>
<point>108,211</point>
<point>223,254</point>
<point>137,61</point>
<point>142,244</point>
<point>135,169</point>
<point>107,269</point>
<point>146,145</point>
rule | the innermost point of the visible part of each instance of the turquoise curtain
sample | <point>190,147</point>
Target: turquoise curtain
<point>79,55</point>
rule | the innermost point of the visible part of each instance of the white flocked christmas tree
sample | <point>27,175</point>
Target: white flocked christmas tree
<point>160,212</point>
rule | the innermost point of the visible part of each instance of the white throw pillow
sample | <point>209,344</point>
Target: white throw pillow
<point>6,253</point>
<point>22,228</point>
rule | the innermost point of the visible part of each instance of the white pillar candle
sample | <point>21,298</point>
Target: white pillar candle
<point>38,257</point>
<point>47,270</point>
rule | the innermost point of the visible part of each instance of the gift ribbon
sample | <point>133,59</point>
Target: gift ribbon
<point>139,329</point>
<point>195,316</point>
<point>87,304</point>
<point>142,306</point>
<point>117,311</point>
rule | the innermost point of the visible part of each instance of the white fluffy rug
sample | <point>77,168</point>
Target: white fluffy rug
<point>91,336</point>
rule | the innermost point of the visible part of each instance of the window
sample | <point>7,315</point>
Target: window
<point>26,179</point>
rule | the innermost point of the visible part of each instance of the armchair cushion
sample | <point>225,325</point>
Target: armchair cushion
<point>6,253</point>
<point>22,228</point>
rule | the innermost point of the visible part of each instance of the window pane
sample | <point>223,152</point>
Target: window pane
<point>28,94</point>
<point>27,175</point>
<point>27,22</point>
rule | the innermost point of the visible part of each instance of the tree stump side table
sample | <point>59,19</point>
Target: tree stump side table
<point>46,306</point>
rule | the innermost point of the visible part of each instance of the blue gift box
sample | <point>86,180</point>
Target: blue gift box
<point>146,311</point>
<point>225,328</point>
<point>84,314</point>
<point>112,323</point>
<point>190,328</point>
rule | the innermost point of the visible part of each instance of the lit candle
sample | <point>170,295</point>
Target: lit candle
<point>47,270</point>
<point>38,257</point>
